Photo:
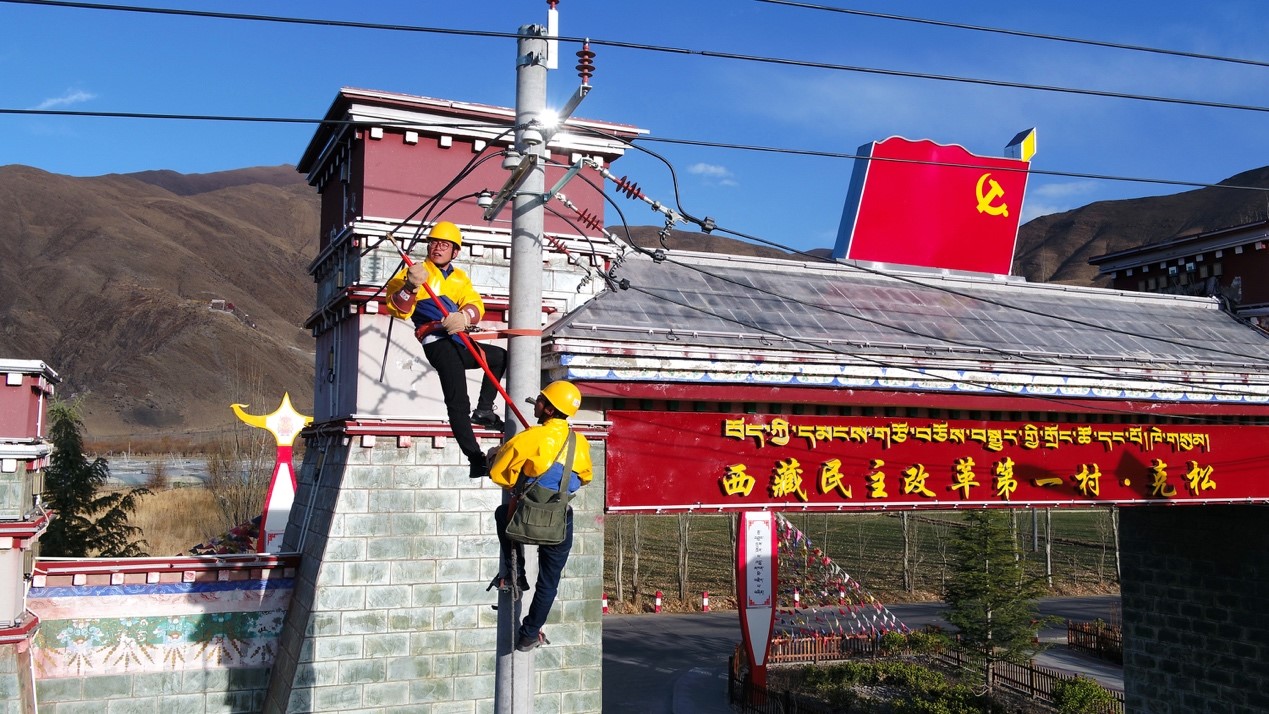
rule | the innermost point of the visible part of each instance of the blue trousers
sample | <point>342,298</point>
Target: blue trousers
<point>551,561</point>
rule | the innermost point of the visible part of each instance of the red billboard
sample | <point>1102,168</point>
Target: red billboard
<point>675,461</point>
<point>933,205</point>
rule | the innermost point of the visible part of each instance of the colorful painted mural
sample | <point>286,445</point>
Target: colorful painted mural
<point>94,630</point>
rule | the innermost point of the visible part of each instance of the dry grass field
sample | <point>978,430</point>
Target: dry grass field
<point>176,519</point>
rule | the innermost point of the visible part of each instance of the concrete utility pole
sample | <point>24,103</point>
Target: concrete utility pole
<point>513,693</point>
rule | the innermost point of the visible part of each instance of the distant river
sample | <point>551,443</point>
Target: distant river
<point>137,470</point>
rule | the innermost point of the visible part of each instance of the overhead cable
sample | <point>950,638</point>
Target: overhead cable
<point>1021,33</point>
<point>913,281</point>
<point>782,61</point>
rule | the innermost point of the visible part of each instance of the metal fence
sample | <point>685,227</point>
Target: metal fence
<point>820,649</point>
<point>1100,640</point>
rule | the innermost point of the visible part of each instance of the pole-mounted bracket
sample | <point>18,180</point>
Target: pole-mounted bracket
<point>518,175</point>
<point>559,185</point>
<point>566,111</point>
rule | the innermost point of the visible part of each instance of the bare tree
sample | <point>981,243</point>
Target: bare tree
<point>239,467</point>
<point>1114,524</point>
<point>1048,546</point>
<point>1105,532</point>
<point>636,545</point>
<point>240,463</point>
<point>908,585</point>
<point>942,542</point>
<point>861,540</point>
<point>732,524</point>
<point>158,480</point>
<point>684,526</point>
<point>620,565</point>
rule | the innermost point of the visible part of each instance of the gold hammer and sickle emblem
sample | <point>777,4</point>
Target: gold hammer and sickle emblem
<point>993,192</point>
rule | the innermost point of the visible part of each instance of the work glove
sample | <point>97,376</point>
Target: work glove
<point>415,276</point>
<point>456,321</point>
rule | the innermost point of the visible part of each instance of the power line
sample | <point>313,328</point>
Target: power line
<point>180,117</point>
<point>238,16</point>
<point>663,140</point>
<point>1020,33</point>
<point>780,61</point>
<point>296,120</point>
<point>919,283</point>
<point>1033,171</point>
<point>903,278</point>
<point>283,19</point>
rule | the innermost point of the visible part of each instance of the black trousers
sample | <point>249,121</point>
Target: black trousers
<point>451,362</point>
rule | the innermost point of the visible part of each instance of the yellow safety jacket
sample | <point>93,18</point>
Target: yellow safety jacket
<point>456,286</point>
<point>538,453</point>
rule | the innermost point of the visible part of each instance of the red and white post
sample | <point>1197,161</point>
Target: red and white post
<point>658,605</point>
<point>705,601</point>
<point>756,576</point>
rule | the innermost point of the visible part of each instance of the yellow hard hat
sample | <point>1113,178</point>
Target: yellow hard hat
<point>446,231</point>
<point>562,395</point>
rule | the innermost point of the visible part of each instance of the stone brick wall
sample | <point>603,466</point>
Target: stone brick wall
<point>219,691</point>
<point>14,687</point>
<point>390,609</point>
<point>1195,584</point>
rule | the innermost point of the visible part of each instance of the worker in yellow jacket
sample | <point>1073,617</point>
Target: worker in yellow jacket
<point>439,333</point>
<point>539,453</point>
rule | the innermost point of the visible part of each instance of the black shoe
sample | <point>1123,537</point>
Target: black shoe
<point>527,644</point>
<point>487,418</point>
<point>479,469</point>
<point>523,583</point>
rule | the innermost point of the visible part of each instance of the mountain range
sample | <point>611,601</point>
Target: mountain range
<point>162,298</point>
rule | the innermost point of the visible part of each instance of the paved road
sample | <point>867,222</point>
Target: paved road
<point>665,663</point>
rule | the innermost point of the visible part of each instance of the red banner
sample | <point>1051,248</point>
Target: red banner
<point>674,461</point>
<point>927,204</point>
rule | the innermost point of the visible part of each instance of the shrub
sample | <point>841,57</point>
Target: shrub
<point>1081,695</point>
<point>892,642</point>
<point>927,643</point>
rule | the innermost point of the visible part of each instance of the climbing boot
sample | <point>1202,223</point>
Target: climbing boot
<point>487,418</point>
<point>526,644</point>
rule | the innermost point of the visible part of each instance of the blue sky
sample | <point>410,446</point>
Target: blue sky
<point>110,61</point>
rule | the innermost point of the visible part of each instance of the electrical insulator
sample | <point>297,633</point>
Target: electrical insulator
<point>630,188</point>
<point>585,63</point>
<point>589,219</point>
